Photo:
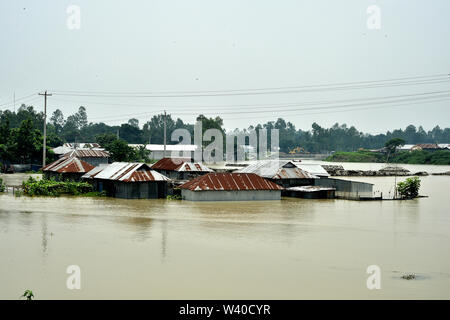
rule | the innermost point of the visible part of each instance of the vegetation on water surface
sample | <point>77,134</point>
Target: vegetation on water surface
<point>409,276</point>
<point>174,197</point>
<point>409,189</point>
<point>33,187</point>
<point>28,294</point>
<point>441,157</point>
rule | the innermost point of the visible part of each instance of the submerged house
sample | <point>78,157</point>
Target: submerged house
<point>93,156</point>
<point>283,172</point>
<point>180,168</point>
<point>66,168</point>
<point>310,192</point>
<point>128,180</point>
<point>230,187</point>
<point>348,189</point>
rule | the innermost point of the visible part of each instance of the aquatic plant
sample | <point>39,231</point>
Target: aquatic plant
<point>28,294</point>
<point>44,187</point>
<point>174,197</point>
<point>409,189</point>
<point>409,276</point>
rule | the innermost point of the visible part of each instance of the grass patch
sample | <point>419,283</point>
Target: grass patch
<point>357,156</point>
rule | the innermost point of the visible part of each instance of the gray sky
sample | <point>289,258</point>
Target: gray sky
<point>208,45</point>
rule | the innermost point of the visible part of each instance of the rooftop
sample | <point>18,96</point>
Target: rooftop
<point>230,182</point>
<point>127,172</point>
<point>65,165</point>
<point>180,164</point>
<point>277,169</point>
<point>88,153</point>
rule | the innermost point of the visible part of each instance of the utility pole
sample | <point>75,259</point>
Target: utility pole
<point>165,126</point>
<point>45,94</point>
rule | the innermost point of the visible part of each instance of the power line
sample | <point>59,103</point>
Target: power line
<point>258,106</point>
<point>423,97</point>
<point>414,78</point>
<point>12,102</point>
<point>410,83</point>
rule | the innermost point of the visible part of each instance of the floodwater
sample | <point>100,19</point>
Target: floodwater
<point>288,249</point>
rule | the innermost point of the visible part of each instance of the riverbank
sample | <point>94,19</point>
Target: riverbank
<point>441,157</point>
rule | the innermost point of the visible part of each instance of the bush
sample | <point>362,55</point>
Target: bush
<point>409,189</point>
<point>33,187</point>
<point>2,185</point>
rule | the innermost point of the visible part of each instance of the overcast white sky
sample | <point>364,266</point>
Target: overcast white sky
<point>202,45</point>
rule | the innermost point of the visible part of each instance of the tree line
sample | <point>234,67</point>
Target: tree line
<point>21,134</point>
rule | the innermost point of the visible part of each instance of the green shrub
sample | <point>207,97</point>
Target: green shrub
<point>2,186</point>
<point>44,187</point>
<point>174,197</point>
<point>409,189</point>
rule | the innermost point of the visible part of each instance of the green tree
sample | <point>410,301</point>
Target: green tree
<point>409,189</point>
<point>121,151</point>
<point>393,144</point>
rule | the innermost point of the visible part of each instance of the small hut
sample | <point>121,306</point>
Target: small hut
<point>128,180</point>
<point>93,156</point>
<point>283,172</point>
<point>180,168</point>
<point>230,187</point>
<point>66,168</point>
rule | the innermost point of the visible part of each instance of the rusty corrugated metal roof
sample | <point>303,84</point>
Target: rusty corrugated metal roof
<point>66,164</point>
<point>127,172</point>
<point>230,182</point>
<point>180,164</point>
<point>88,153</point>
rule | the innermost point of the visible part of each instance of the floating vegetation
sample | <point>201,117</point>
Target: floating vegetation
<point>409,276</point>
<point>28,294</point>
<point>174,197</point>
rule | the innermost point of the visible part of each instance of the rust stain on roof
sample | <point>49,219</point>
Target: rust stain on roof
<point>180,165</point>
<point>126,172</point>
<point>169,163</point>
<point>87,153</point>
<point>230,182</point>
<point>66,165</point>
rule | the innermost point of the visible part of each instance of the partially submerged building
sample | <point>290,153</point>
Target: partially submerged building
<point>230,187</point>
<point>283,172</point>
<point>310,192</point>
<point>128,180</point>
<point>180,168</point>
<point>313,168</point>
<point>348,189</point>
<point>66,168</point>
<point>93,156</point>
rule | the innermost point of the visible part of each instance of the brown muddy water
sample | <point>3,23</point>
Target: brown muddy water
<point>288,249</point>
